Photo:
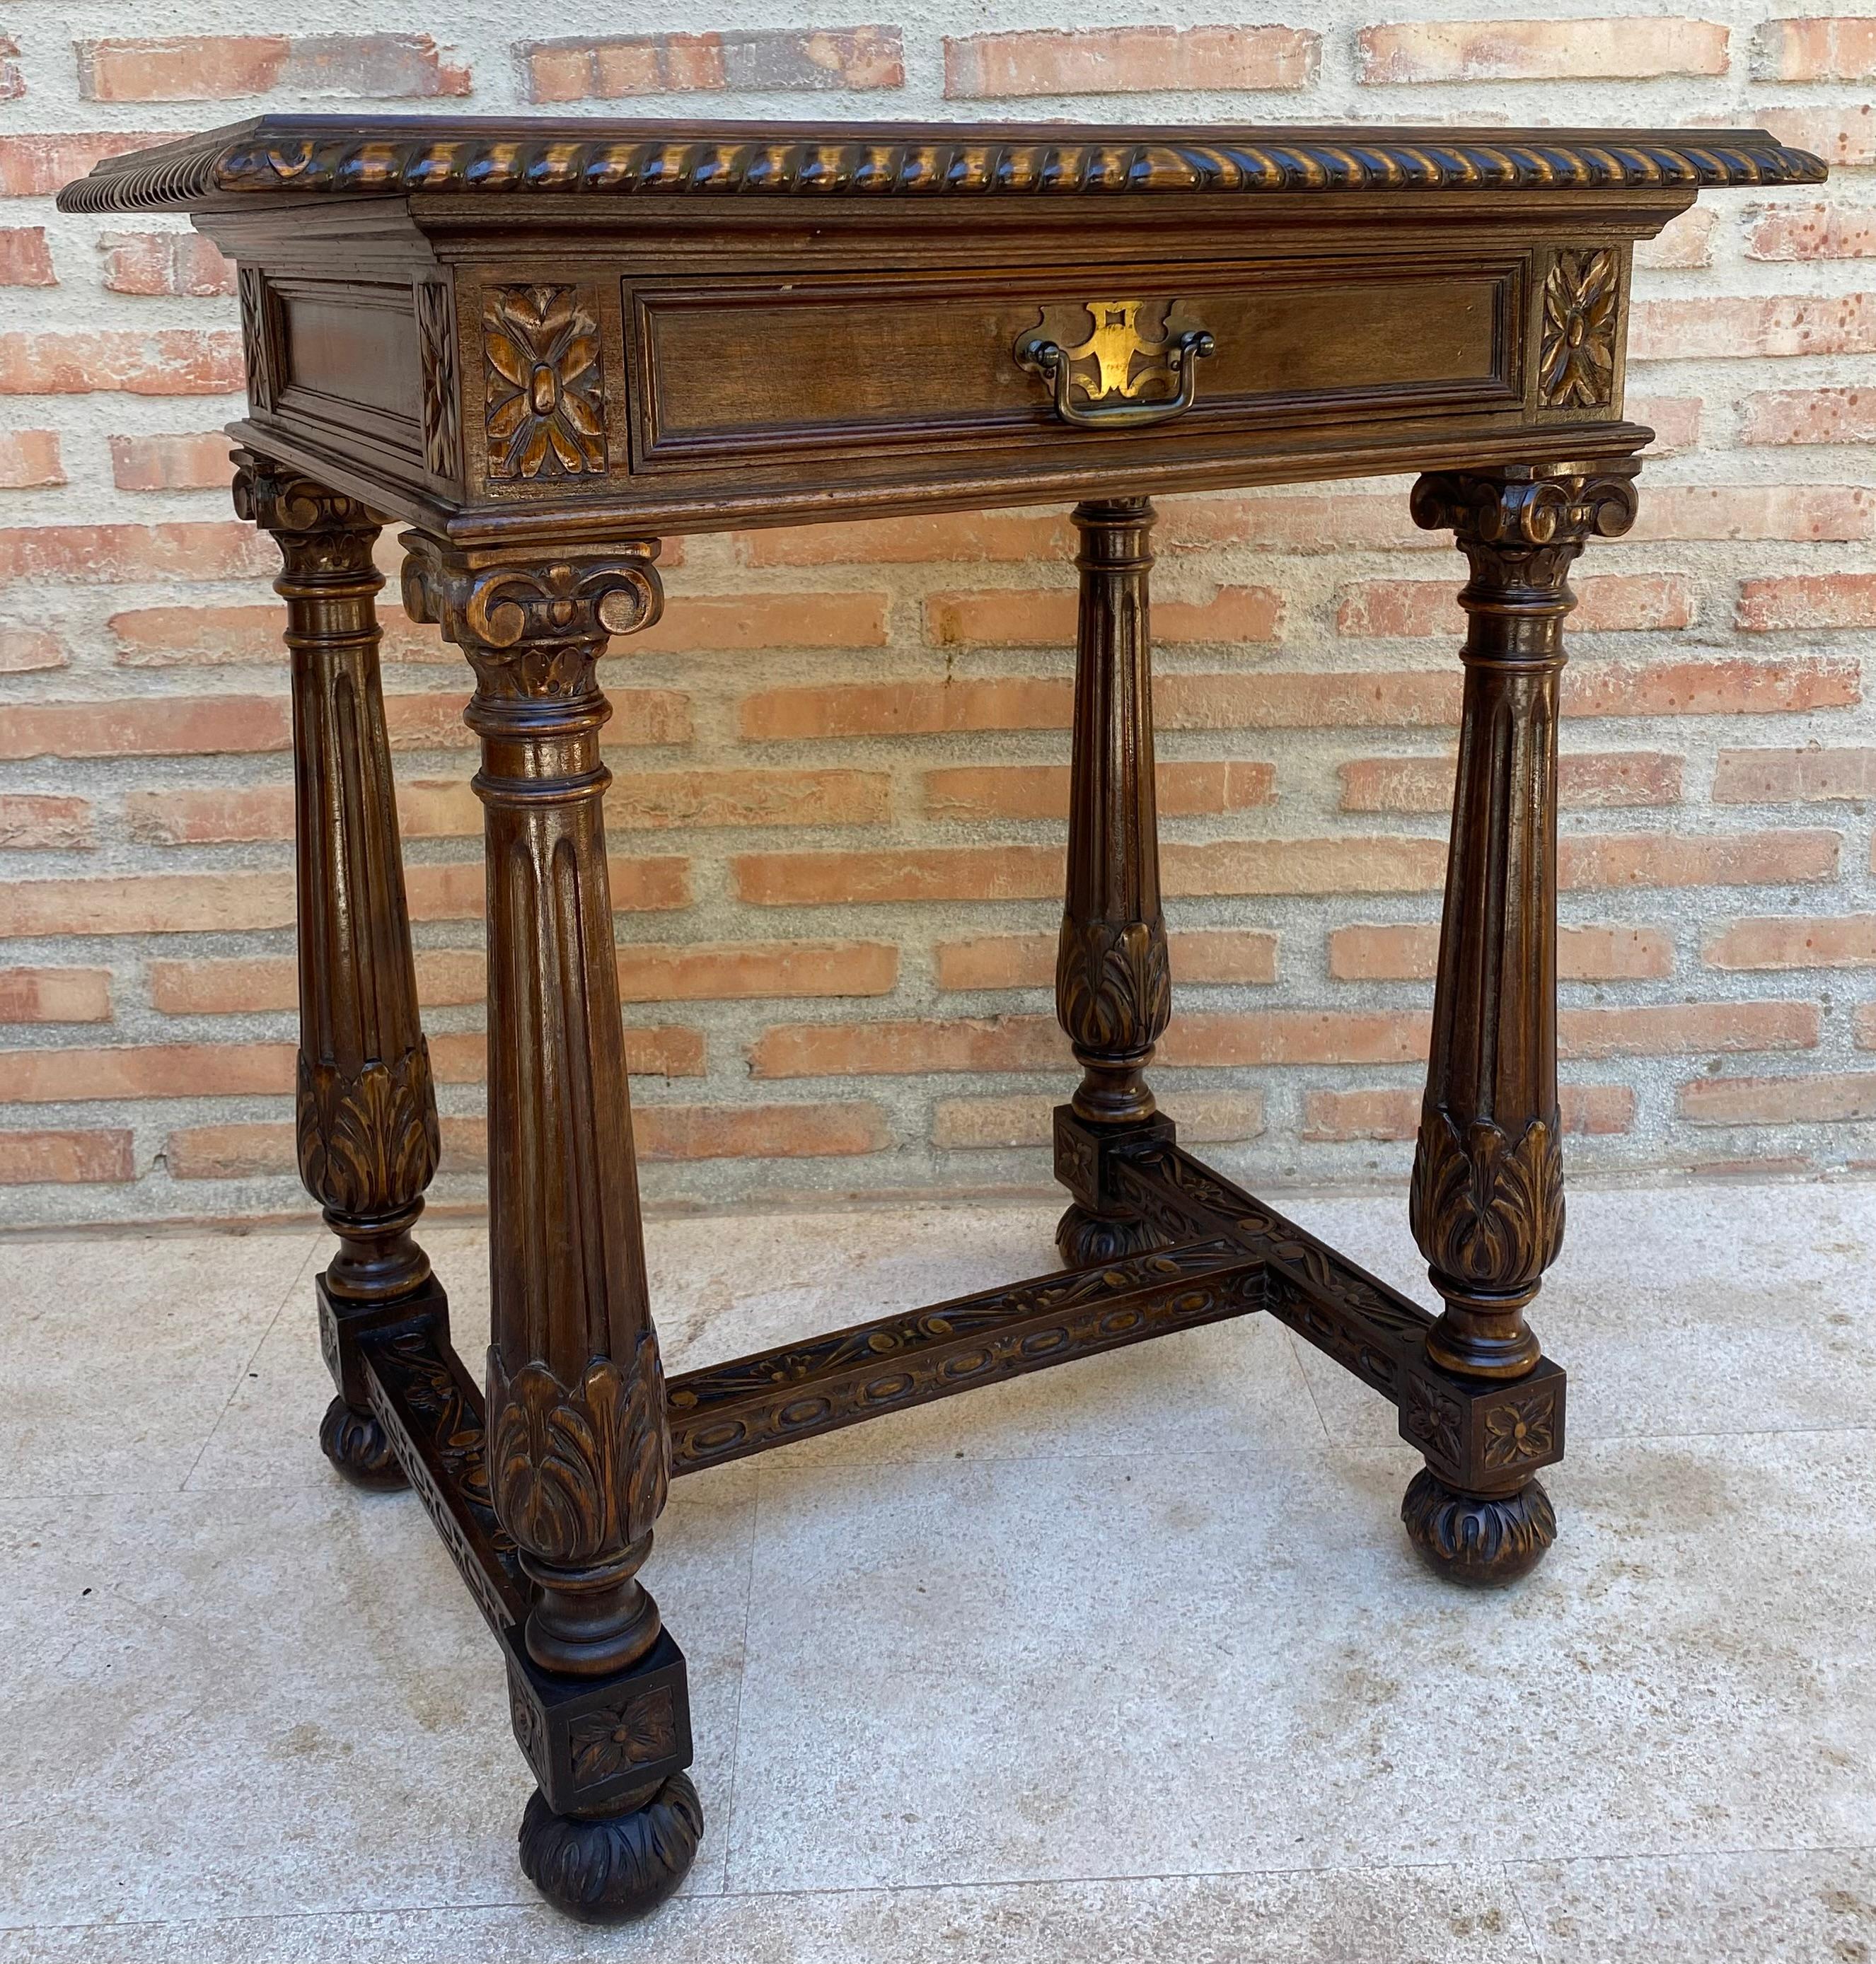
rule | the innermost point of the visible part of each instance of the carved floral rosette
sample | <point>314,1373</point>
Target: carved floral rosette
<point>368,1140</point>
<point>1485,1209</point>
<point>1113,985</point>
<point>1582,299</point>
<point>580,1473</point>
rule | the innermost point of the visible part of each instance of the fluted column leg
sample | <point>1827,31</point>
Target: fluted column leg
<point>366,1110</point>
<point>1113,987</point>
<point>1487,1196</point>
<point>579,1449</point>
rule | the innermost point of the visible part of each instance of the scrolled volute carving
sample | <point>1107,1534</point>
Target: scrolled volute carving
<point>1486,1208</point>
<point>318,530</point>
<point>367,1138</point>
<point>1113,984</point>
<point>579,1472</point>
<point>1520,525</point>
<point>532,629</point>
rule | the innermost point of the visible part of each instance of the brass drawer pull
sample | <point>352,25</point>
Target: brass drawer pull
<point>1125,363</point>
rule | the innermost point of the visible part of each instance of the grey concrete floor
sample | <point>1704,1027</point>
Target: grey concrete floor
<point>1126,1661</point>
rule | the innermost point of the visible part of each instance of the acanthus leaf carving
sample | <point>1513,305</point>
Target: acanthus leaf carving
<point>368,1139</point>
<point>543,394</point>
<point>1487,1209</point>
<point>320,531</point>
<point>1582,295</point>
<point>532,631</point>
<point>579,1472</point>
<point>1113,983</point>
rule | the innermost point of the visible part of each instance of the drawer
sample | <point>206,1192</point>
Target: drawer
<point>752,372</point>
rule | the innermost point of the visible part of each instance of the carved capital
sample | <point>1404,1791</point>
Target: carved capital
<point>320,531</point>
<point>532,629</point>
<point>1487,1209</point>
<point>368,1137</point>
<point>1521,527</point>
<point>579,1472</point>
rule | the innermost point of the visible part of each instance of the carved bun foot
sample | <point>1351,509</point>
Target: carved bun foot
<point>1482,1540</point>
<point>618,1866</point>
<point>1084,1239</point>
<point>355,1443</point>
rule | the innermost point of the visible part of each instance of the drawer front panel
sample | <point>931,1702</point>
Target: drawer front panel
<point>750,372</point>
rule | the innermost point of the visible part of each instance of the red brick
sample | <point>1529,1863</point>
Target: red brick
<point>192,550</point>
<point>147,727</point>
<point>38,166</point>
<point>251,1151</point>
<point>1685,1030</point>
<point>1584,779</point>
<point>148,903</point>
<point>1588,1110</point>
<point>766,970</point>
<point>1750,511</point>
<point>12,82</point>
<point>1272,700</point>
<point>1787,601</point>
<point>1685,241</point>
<point>927,538</point>
<point>755,621</point>
<point>191,636</point>
<point>1812,232</point>
<point>1832,1097</point>
<point>457,891</point>
<point>1027,1119</point>
<point>868,879</point>
<point>906,708</point>
<point>30,459</point>
<point>667,1050</point>
<point>835,1130</point>
<point>1866,1027</point>
<point>1017,618</point>
<point>1296,1036</point>
<point>1795,941</point>
<point>201,68</point>
<point>33,821</point>
<point>656,799</point>
<point>1763,859</point>
<point>1842,137</point>
<point>1809,416</point>
<point>1348,865</point>
<point>24,650</point>
<point>177,361</point>
<point>766,58</point>
<point>170,462</point>
<point>1112,61</point>
<point>1717,325</point>
<point>1411,953</point>
<point>1815,50</point>
<point>144,1070</point>
<point>1607,602</point>
<point>66,1159</point>
<point>55,995</point>
<point>907,1048</point>
<point>416,721</point>
<point>1028,960</point>
<point>1675,420</point>
<point>1041,790</point>
<point>24,258</point>
<point>1794,777</point>
<point>160,263</point>
<point>241,987</point>
<point>1507,50</point>
<point>1723,685</point>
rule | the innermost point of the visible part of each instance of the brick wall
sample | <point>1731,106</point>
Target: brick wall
<point>841,760</point>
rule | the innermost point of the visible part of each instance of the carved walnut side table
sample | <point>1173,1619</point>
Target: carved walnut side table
<point>541,345</point>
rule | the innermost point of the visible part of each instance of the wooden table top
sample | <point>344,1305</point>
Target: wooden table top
<point>374,156</point>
